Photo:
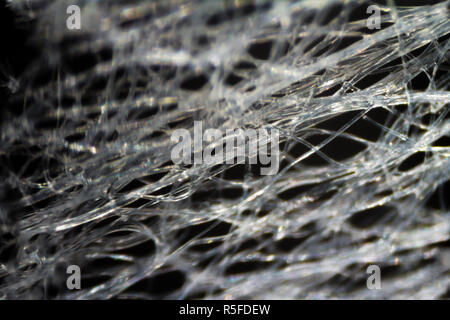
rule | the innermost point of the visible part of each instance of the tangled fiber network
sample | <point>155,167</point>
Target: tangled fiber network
<point>364,169</point>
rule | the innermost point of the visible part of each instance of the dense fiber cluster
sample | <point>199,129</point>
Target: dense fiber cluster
<point>363,116</point>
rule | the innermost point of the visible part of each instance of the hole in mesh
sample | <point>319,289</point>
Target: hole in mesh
<point>287,244</point>
<point>444,244</point>
<point>430,118</point>
<point>126,90</point>
<point>76,137</point>
<point>419,51</point>
<point>345,42</point>
<point>250,89</point>
<point>415,131</point>
<point>370,217</point>
<point>295,192</point>
<point>395,64</point>
<point>260,49</point>
<point>8,251</point>
<point>67,101</point>
<point>165,71</point>
<point>336,281</point>
<point>247,267</point>
<point>138,203</point>
<point>283,48</point>
<point>155,177</point>
<point>391,271</point>
<point>232,193</point>
<point>248,9</point>
<point>446,294</point>
<point>197,294</point>
<point>163,283</point>
<point>322,49</point>
<point>162,191</point>
<point>370,80</point>
<point>213,228</point>
<point>248,244</point>
<point>209,258</point>
<point>205,196</point>
<point>235,12</point>
<point>194,83</point>
<point>80,63</point>
<point>49,123</point>
<point>359,12</point>
<point>119,234</point>
<point>245,65</point>
<point>307,16</point>
<point>420,82</point>
<point>442,40</point>
<point>325,196</point>
<point>236,172</point>
<point>152,221</point>
<point>9,194</point>
<point>91,99</point>
<point>266,208</point>
<point>15,106</point>
<point>28,163</point>
<point>169,107</point>
<point>202,40</point>
<point>98,83</point>
<point>219,18</point>
<point>18,52</point>
<point>313,43</point>
<point>17,159</point>
<point>86,205</point>
<point>441,74</point>
<point>102,137</point>
<point>206,246</point>
<point>233,79</point>
<point>338,149</point>
<point>247,213</point>
<point>105,223</point>
<point>89,281</point>
<point>443,141</point>
<point>384,193</point>
<point>131,186</point>
<point>142,113</point>
<point>101,264</point>
<point>154,135</point>
<point>361,128</point>
<point>412,161</point>
<point>105,54</point>
<point>93,115</point>
<point>182,123</point>
<point>440,198</point>
<point>330,13</point>
<point>43,77</point>
<point>141,250</point>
